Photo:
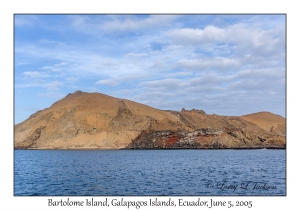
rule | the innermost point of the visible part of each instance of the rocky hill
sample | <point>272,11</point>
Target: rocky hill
<point>96,121</point>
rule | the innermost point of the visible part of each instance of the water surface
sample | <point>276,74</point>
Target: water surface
<point>149,172</point>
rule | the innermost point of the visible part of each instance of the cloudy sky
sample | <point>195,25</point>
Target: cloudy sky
<point>222,64</point>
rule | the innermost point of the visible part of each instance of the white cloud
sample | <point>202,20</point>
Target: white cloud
<point>264,80</point>
<point>56,67</point>
<point>109,82</point>
<point>197,36</point>
<point>135,55</point>
<point>130,23</point>
<point>35,74</point>
<point>241,92</point>
<point>179,74</point>
<point>245,37</point>
<point>208,63</point>
<point>168,83</point>
<point>119,23</point>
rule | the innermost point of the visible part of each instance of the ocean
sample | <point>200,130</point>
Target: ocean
<point>149,172</point>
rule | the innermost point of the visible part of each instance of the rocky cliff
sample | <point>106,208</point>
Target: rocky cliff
<point>96,121</point>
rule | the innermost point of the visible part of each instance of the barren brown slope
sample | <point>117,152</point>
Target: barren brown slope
<point>94,120</point>
<point>90,120</point>
<point>268,121</point>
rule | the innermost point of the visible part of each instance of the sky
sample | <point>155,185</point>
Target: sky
<point>223,64</point>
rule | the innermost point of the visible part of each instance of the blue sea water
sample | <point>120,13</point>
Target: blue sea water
<point>149,172</point>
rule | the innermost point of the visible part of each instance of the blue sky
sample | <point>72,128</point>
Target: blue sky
<point>222,64</point>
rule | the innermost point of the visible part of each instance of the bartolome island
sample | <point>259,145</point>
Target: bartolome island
<point>84,120</point>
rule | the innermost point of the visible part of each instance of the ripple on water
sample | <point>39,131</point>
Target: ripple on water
<point>146,172</point>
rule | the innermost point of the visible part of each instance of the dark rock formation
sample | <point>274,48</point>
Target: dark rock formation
<point>201,139</point>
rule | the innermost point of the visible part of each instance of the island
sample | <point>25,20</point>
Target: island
<point>84,120</point>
